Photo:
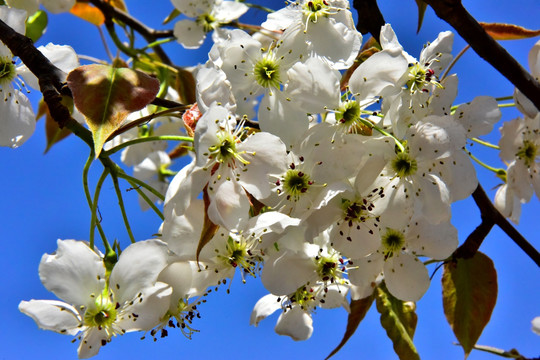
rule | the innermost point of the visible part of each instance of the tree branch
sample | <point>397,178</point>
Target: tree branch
<point>490,217</point>
<point>150,35</point>
<point>453,12</point>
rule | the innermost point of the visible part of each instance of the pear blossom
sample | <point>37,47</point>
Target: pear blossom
<point>98,305</point>
<point>151,170</point>
<point>404,274</point>
<point>209,15</point>
<point>326,28</point>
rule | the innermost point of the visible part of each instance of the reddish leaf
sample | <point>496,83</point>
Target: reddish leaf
<point>209,228</point>
<point>106,95</point>
<point>89,13</point>
<point>359,309</point>
<point>508,31</point>
<point>469,296</point>
<point>53,132</point>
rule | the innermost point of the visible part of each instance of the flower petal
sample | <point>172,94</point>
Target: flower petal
<point>73,273</point>
<point>295,323</point>
<point>406,277</point>
<point>52,315</point>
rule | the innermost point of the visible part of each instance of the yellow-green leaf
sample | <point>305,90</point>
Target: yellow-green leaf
<point>399,319</point>
<point>469,296</point>
<point>36,25</point>
<point>89,13</point>
<point>359,309</point>
<point>106,95</point>
<point>500,31</point>
<point>175,13</point>
<point>421,11</point>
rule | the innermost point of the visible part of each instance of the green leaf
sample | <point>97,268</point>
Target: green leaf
<point>106,95</point>
<point>421,11</point>
<point>399,319</point>
<point>36,25</point>
<point>171,16</point>
<point>469,296</point>
<point>359,309</point>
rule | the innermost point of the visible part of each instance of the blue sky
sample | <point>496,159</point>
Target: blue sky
<point>43,200</point>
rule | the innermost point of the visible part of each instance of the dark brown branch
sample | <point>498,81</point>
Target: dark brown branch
<point>490,217</point>
<point>149,34</point>
<point>453,12</point>
<point>370,19</point>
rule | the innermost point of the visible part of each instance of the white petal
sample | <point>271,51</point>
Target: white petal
<point>228,11</point>
<point>73,272</point>
<point>62,56</point>
<point>284,273</point>
<point>52,315</point>
<point>189,33</point>
<point>295,323</point>
<point>92,341</point>
<point>406,277</point>
<point>17,119</point>
<point>146,311</point>
<point>536,325</point>
<point>479,116</point>
<point>507,203</point>
<point>380,74</point>
<point>182,232</point>
<point>266,306</point>
<point>229,206</point>
<point>138,267</point>
<point>311,91</point>
<point>335,297</point>
<point>435,241</point>
<point>58,6</point>
<point>14,17</point>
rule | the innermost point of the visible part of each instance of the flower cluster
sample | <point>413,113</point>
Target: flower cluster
<point>320,180</point>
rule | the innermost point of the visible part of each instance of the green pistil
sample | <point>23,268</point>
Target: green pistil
<point>314,9</point>
<point>392,241</point>
<point>266,72</point>
<point>296,183</point>
<point>226,150</point>
<point>7,71</point>
<point>417,78</point>
<point>207,21</point>
<point>303,297</point>
<point>103,315</point>
<point>327,268</point>
<point>348,113</point>
<point>404,165</point>
<point>528,153</point>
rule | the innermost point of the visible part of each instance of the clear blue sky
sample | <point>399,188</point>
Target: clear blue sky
<point>42,200</point>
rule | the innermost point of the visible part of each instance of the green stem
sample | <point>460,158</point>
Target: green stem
<point>146,139</point>
<point>93,221</point>
<point>157,43</point>
<point>134,180</point>
<point>504,98</point>
<point>119,44</point>
<point>115,176</point>
<point>498,171</point>
<point>384,132</point>
<point>485,143</point>
<point>146,119</point>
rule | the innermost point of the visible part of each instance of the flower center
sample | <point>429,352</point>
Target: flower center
<point>420,77</point>
<point>7,71</point>
<point>296,183</point>
<point>314,9</point>
<point>103,315</point>
<point>207,21</point>
<point>392,241</point>
<point>528,153</point>
<point>404,165</point>
<point>266,71</point>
